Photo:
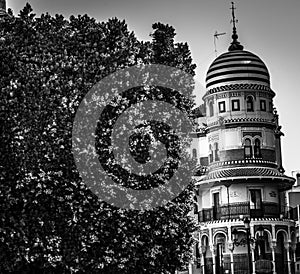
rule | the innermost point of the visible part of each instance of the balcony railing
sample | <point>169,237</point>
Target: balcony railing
<point>267,210</point>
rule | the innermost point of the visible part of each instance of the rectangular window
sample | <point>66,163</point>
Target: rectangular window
<point>235,105</point>
<point>222,107</point>
<point>216,206</point>
<point>271,107</point>
<point>263,106</point>
<point>256,205</point>
<point>255,199</point>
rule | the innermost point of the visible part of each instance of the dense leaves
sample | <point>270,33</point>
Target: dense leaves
<point>49,220</point>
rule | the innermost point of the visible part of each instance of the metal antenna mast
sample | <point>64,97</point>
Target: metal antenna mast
<point>216,35</point>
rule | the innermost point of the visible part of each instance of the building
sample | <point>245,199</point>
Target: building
<point>245,224</point>
<point>294,202</point>
<point>2,7</point>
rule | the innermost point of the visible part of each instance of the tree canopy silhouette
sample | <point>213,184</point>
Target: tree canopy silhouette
<point>50,222</point>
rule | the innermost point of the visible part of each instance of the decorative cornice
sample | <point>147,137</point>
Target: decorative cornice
<point>236,221</point>
<point>241,163</point>
<point>247,119</point>
<point>239,87</point>
<point>240,120</point>
<point>247,173</point>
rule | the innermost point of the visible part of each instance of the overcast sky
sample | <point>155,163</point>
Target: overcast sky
<point>268,28</point>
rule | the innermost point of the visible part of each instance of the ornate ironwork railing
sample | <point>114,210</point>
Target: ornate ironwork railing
<point>267,210</point>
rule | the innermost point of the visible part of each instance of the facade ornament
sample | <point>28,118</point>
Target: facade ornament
<point>203,249</point>
<point>213,249</point>
<point>253,245</point>
<point>221,120</point>
<point>278,132</point>
<point>230,246</point>
<point>287,245</point>
<point>273,245</point>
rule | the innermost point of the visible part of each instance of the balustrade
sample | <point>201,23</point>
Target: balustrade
<point>231,211</point>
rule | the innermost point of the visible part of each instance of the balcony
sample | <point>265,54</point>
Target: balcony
<point>231,211</point>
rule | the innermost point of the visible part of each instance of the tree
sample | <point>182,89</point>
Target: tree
<point>49,220</point>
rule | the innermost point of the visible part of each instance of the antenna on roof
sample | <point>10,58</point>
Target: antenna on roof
<point>216,35</point>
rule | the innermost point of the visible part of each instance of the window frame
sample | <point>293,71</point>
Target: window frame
<point>222,107</point>
<point>211,155</point>
<point>263,105</point>
<point>254,204</point>
<point>271,107</point>
<point>216,152</point>
<point>250,100</point>
<point>248,146</point>
<point>211,108</point>
<point>257,149</point>
<point>238,108</point>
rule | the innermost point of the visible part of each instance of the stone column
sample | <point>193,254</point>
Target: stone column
<point>203,251</point>
<point>213,250</point>
<point>231,248</point>
<point>213,253</point>
<point>252,248</point>
<point>288,254</point>
<point>273,247</point>
<point>253,257</point>
<point>293,247</point>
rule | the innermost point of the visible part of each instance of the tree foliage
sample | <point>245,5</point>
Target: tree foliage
<point>49,220</point>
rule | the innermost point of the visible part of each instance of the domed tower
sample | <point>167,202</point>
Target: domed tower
<point>244,222</point>
<point>2,7</point>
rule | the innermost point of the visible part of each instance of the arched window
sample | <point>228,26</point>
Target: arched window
<point>248,148</point>
<point>250,103</point>
<point>220,243</point>
<point>217,158</point>
<point>257,151</point>
<point>204,244</point>
<point>263,245</point>
<point>211,108</point>
<point>194,153</point>
<point>195,205</point>
<point>210,154</point>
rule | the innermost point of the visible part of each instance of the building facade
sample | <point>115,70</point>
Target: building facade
<point>2,8</point>
<point>241,207</point>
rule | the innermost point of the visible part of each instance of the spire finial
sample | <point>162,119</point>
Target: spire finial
<point>235,44</point>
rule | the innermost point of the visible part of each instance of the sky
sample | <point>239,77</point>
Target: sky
<point>268,28</point>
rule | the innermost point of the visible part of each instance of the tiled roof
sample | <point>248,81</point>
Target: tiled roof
<point>244,172</point>
<point>200,170</point>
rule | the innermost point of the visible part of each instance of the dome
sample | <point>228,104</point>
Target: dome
<point>237,67</point>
